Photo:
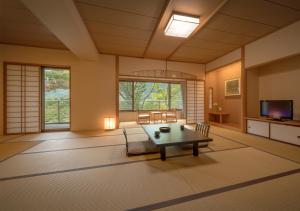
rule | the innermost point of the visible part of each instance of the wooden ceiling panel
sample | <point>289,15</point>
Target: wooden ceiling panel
<point>148,8</point>
<point>199,54</point>
<point>102,39</point>
<point>19,26</point>
<point>18,15</point>
<point>224,37</point>
<point>237,26</point>
<point>261,11</point>
<point>24,28</point>
<point>124,50</point>
<point>30,39</point>
<point>109,29</point>
<point>210,45</point>
<point>104,15</point>
<point>292,4</point>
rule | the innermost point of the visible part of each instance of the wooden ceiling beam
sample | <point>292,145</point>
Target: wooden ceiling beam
<point>62,18</point>
<point>167,7</point>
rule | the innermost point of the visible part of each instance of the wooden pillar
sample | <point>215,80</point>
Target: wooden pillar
<point>117,91</point>
<point>243,91</point>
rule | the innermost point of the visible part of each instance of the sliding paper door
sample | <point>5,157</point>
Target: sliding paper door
<point>22,103</point>
<point>194,101</point>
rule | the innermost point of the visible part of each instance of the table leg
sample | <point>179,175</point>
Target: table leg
<point>221,119</point>
<point>163,153</point>
<point>195,149</point>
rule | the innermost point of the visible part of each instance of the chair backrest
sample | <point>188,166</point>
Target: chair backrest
<point>141,112</point>
<point>171,111</point>
<point>203,128</point>
<point>125,134</point>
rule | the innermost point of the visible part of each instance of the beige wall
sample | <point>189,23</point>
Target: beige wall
<point>224,60</point>
<point>216,80</point>
<point>280,44</point>
<point>252,93</point>
<point>129,65</point>
<point>93,93</point>
<point>281,81</point>
<point>275,81</point>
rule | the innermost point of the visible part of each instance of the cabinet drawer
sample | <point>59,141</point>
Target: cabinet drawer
<point>258,128</point>
<point>286,133</point>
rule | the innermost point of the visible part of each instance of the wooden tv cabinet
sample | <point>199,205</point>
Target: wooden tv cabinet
<point>285,131</point>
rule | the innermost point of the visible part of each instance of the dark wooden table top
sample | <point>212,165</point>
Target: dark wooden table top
<point>175,137</point>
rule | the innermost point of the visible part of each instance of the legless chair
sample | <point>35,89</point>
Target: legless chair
<point>143,117</point>
<point>203,128</point>
<point>139,147</point>
<point>170,115</point>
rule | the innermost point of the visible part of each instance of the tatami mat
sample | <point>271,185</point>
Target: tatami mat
<point>9,149</point>
<point>90,171</point>
<point>138,184</point>
<point>77,143</point>
<point>279,194</point>
<point>271,146</point>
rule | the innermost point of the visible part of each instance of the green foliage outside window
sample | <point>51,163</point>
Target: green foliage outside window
<point>149,95</point>
<point>57,96</point>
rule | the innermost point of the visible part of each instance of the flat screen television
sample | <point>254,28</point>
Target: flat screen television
<point>277,109</point>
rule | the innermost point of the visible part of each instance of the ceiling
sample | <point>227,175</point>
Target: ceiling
<point>135,27</point>
<point>19,26</point>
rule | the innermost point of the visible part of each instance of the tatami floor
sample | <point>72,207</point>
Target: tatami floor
<point>90,171</point>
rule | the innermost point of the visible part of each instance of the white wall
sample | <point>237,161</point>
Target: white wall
<point>224,60</point>
<point>93,84</point>
<point>280,44</point>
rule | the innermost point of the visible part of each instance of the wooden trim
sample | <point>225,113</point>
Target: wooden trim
<point>37,64</point>
<point>198,29</point>
<point>294,123</point>
<point>136,77</point>
<point>4,98</point>
<point>167,4</point>
<point>117,91</point>
<point>243,92</point>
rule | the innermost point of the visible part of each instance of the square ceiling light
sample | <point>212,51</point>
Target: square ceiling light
<point>181,25</point>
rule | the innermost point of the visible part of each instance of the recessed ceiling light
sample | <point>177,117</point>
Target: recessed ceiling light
<point>181,25</point>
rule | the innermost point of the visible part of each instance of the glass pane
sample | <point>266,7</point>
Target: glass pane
<point>125,95</point>
<point>57,98</point>
<point>151,96</point>
<point>176,96</point>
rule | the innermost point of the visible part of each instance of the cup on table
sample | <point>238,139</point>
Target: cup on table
<point>156,134</point>
<point>182,127</point>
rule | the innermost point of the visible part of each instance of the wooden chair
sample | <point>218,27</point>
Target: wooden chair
<point>170,115</point>
<point>143,117</point>
<point>140,147</point>
<point>203,128</point>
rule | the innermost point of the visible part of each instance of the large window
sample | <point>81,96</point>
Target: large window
<point>139,95</point>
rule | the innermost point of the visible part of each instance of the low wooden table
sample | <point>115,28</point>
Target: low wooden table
<point>175,137</point>
<point>219,114</point>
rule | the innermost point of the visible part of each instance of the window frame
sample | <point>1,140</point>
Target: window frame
<point>133,109</point>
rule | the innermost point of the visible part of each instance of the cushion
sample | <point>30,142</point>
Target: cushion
<point>142,147</point>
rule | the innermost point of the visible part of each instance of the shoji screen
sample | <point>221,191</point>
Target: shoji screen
<point>194,101</point>
<point>22,94</point>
